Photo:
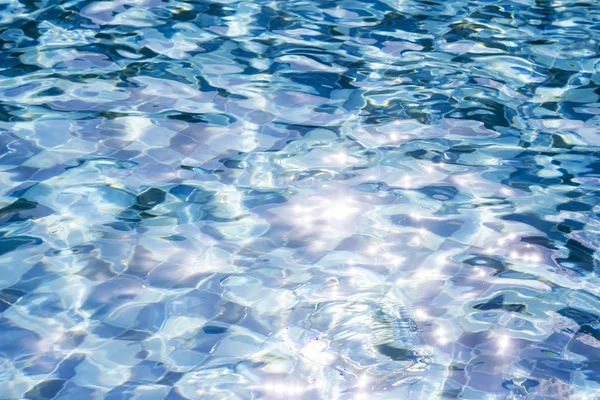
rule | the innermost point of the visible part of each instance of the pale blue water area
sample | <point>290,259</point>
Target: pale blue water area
<point>304,199</point>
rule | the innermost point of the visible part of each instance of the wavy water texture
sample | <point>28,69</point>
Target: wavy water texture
<point>383,199</point>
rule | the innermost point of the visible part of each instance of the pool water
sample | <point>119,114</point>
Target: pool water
<point>305,199</point>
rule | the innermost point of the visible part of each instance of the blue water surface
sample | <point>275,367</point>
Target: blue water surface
<point>304,199</point>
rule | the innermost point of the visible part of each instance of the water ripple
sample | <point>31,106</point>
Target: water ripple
<point>305,199</point>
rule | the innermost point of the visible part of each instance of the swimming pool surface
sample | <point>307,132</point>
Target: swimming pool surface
<point>304,199</point>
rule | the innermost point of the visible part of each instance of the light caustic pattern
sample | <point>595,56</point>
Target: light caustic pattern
<point>380,199</point>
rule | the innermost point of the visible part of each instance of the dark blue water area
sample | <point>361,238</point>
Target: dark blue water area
<point>380,199</point>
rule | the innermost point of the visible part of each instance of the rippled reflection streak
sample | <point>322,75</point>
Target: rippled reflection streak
<point>211,199</point>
